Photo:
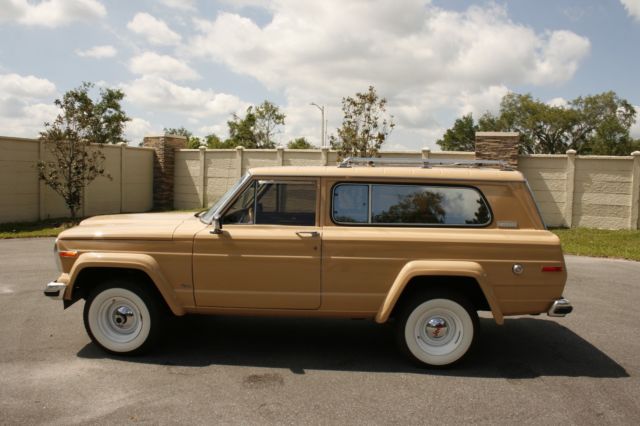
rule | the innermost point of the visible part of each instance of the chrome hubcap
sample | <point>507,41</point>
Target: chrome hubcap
<point>437,328</point>
<point>121,315</point>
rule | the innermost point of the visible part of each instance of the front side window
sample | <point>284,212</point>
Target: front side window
<point>275,203</point>
<point>397,204</point>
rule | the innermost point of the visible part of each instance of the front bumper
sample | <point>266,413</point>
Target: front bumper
<point>55,290</point>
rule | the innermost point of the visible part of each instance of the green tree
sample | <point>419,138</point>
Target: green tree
<point>300,143</point>
<point>460,137</point>
<point>257,128</point>
<point>365,126</point>
<point>82,121</point>
<point>268,119</point>
<point>242,130</point>
<point>214,142</point>
<point>596,124</point>
<point>604,124</point>
<point>193,142</point>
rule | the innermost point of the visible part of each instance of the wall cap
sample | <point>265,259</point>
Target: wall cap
<point>497,134</point>
<point>571,152</point>
<point>636,153</point>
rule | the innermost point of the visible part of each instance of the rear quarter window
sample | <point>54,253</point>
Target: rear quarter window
<point>409,205</point>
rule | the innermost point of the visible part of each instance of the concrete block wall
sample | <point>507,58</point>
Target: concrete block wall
<point>547,176</point>
<point>570,190</point>
<point>23,198</point>
<point>204,175</point>
<point>585,191</point>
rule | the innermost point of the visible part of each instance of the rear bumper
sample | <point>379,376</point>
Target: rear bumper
<point>560,308</point>
<point>55,290</point>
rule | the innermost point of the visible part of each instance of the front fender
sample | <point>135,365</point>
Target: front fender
<point>142,262</point>
<point>419,268</point>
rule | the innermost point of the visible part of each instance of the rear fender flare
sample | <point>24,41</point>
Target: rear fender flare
<point>419,268</point>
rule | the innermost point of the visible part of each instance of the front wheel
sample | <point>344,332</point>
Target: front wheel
<point>438,330</point>
<point>122,318</point>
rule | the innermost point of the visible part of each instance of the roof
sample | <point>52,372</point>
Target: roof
<point>441,173</point>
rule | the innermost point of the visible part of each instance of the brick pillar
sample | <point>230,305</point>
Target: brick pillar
<point>163,165</point>
<point>498,146</point>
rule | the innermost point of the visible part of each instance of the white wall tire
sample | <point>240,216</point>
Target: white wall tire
<point>438,331</point>
<point>121,318</point>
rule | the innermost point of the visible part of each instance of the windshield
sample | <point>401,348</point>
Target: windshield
<point>209,215</point>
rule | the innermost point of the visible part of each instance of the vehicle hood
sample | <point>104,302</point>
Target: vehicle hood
<point>142,226</point>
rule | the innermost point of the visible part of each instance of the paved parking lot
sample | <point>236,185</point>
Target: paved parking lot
<point>582,369</point>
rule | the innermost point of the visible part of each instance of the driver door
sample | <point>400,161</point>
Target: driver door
<point>268,254</point>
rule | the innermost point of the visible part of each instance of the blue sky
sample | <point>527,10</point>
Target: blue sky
<point>194,63</point>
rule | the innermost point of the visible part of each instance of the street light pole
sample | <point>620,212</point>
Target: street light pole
<point>321,108</point>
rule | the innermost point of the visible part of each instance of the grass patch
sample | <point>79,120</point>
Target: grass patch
<point>623,244</point>
<point>43,228</point>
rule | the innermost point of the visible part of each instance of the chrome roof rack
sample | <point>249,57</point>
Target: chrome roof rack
<point>423,163</point>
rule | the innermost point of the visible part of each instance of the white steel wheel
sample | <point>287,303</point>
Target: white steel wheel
<point>439,331</point>
<point>119,319</point>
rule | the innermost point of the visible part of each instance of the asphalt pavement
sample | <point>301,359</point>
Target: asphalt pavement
<point>582,369</point>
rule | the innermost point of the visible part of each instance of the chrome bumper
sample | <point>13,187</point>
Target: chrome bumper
<point>560,308</point>
<point>55,290</point>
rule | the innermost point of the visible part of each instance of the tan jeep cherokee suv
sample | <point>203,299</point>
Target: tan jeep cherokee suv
<point>425,245</point>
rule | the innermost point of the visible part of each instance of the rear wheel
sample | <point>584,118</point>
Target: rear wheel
<point>438,329</point>
<point>122,317</point>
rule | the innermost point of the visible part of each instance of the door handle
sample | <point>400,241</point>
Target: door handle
<point>308,234</point>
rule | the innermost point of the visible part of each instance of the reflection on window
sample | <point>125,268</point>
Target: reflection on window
<point>351,203</point>
<point>286,204</point>
<point>409,205</point>
<point>241,211</point>
<point>273,203</point>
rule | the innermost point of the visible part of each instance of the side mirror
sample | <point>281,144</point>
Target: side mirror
<point>217,226</point>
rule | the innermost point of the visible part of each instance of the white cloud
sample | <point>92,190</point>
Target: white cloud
<point>98,52</point>
<point>633,8</point>
<point>221,130</point>
<point>186,5</point>
<point>426,60</point>
<point>154,30</point>
<point>160,94</point>
<point>480,102</point>
<point>558,102</point>
<point>153,64</point>
<point>19,117</point>
<point>50,13</point>
<point>25,120</point>
<point>635,128</point>
<point>26,86</point>
<point>137,129</point>
<point>23,110</point>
